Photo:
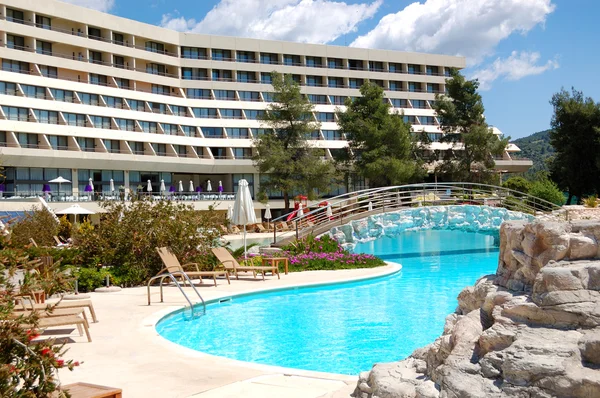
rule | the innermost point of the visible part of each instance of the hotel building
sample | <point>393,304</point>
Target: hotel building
<point>87,95</point>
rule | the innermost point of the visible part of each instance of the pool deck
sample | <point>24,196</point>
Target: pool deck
<point>127,352</point>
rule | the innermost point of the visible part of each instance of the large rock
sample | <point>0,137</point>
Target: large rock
<point>530,331</point>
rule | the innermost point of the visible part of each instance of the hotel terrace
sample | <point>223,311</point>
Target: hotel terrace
<point>87,95</point>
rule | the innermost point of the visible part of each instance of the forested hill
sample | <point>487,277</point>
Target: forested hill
<point>537,148</point>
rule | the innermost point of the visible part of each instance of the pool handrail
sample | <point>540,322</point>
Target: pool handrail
<point>171,275</point>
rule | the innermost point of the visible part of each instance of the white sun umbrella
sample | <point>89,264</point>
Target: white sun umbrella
<point>75,210</point>
<point>268,214</point>
<point>191,186</point>
<point>162,186</point>
<point>208,186</point>
<point>243,209</point>
<point>370,206</point>
<point>229,213</point>
<point>149,187</point>
<point>112,185</point>
<point>59,180</point>
<point>329,211</point>
<point>300,212</point>
<point>180,186</point>
<point>91,184</point>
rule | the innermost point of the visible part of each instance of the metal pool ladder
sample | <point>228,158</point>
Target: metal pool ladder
<point>171,275</point>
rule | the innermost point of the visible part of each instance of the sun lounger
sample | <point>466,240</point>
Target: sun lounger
<point>63,304</point>
<point>64,320</point>
<point>55,312</point>
<point>260,228</point>
<point>230,264</point>
<point>172,265</point>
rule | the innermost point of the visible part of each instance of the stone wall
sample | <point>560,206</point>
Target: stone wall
<point>470,218</point>
<point>531,330</point>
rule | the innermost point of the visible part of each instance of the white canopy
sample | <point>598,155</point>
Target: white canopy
<point>191,186</point>
<point>370,206</point>
<point>329,211</point>
<point>149,187</point>
<point>300,212</point>
<point>59,180</point>
<point>112,185</point>
<point>229,213</point>
<point>208,186</point>
<point>268,212</point>
<point>75,209</point>
<point>180,186</point>
<point>162,186</point>
<point>243,209</point>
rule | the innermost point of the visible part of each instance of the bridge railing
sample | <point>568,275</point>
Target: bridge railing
<point>353,205</point>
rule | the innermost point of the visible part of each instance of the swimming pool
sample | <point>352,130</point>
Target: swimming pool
<point>346,328</point>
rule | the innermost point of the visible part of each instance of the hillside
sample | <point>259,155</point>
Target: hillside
<point>537,148</point>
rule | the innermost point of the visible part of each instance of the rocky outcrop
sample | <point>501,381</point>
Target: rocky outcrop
<point>470,218</point>
<point>531,330</point>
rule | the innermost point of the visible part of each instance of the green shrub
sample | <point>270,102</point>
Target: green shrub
<point>547,190</point>
<point>39,225</point>
<point>90,278</point>
<point>591,201</point>
<point>65,227</point>
<point>517,184</point>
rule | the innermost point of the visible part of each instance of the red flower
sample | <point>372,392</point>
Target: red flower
<point>76,363</point>
<point>47,351</point>
<point>32,334</point>
<point>60,363</point>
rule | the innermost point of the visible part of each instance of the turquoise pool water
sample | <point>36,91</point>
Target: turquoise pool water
<point>346,328</point>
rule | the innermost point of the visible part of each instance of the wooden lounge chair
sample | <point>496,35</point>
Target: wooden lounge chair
<point>61,305</point>
<point>230,264</point>
<point>280,226</point>
<point>172,265</point>
<point>54,312</point>
<point>64,320</point>
<point>261,228</point>
<point>235,229</point>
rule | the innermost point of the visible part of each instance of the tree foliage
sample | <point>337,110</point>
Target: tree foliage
<point>38,224</point>
<point>517,183</point>
<point>547,190</point>
<point>575,136</point>
<point>473,141</point>
<point>536,147</point>
<point>284,153</point>
<point>380,144</point>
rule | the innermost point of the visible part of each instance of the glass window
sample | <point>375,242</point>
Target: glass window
<point>14,113</point>
<point>138,149</point>
<point>314,62</point>
<point>100,122</point>
<point>224,95</point>
<point>181,150</point>
<point>118,38</point>
<point>414,87</point>
<point>27,140</point>
<point>399,103</point>
<point>155,47</point>
<point>13,15</point>
<point>47,117</point>
<point>193,53</point>
<point>156,69</point>
<point>242,153</point>
<point>209,113</point>
<point>160,149</point>
<point>246,77</point>
<point>170,129</point>
<point>315,81</point>
<point>395,68</point>
<point>317,99</point>
<point>434,137</point>
<point>33,91</point>
<point>355,64</point>
<point>335,63</point>
<point>137,105</point>
<point>267,96</point>
<point>95,57</point>
<point>15,66</point>
<point>94,33</point>
<point>427,120</point>
<point>113,146</point>
<point>86,144</point>
<point>433,87</point>
<point>43,47</point>
<point>410,119</point>
<point>8,88</point>
<point>335,82</point>
<point>126,124</point>
<point>100,80</point>
<point>245,56</point>
<point>258,132</point>
<point>212,132</point>
<point>355,83</point>
<point>62,95</point>
<point>332,135</point>
<point>89,99</point>
<point>15,42</point>
<point>189,131</point>
<point>158,107</point>
<point>396,86</point>
<point>376,66</point>
<point>122,83</point>
<point>119,62</point>
<point>74,119</point>
<point>43,22</point>
<point>337,99</point>
<point>292,60</point>
<point>219,153</point>
<point>268,58</point>
<point>197,93</point>
<point>265,78</point>
<point>178,110</point>
<point>231,113</point>
<point>59,142</point>
<point>159,89</point>
<point>432,70</point>
<point>253,114</point>
<point>419,104</point>
<point>326,116</point>
<point>237,132</point>
<point>414,69</point>
<point>221,75</point>
<point>113,102</point>
<point>149,127</point>
<point>221,55</point>
<point>249,95</point>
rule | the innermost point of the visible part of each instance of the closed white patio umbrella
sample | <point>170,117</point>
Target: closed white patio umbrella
<point>229,213</point>
<point>243,209</point>
<point>149,187</point>
<point>112,185</point>
<point>191,186</point>
<point>300,212</point>
<point>370,206</point>
<point>329,211</point>
<point>180,186</point>
<point>162,186</point>
<point>268,215</point>
<point>208,186</point>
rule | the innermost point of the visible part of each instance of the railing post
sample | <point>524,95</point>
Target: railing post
<point>296,229</point>
<point>274,234</point>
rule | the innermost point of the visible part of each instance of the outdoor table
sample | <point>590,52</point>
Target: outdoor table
<point>274,262</point>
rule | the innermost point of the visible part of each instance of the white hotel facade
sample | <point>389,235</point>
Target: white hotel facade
<point>84,94</point>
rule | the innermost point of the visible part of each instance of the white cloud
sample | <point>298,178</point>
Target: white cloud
<point>100,5</point>
<point>310,21</point>
<point>515,67</point>
<point>471,28</point>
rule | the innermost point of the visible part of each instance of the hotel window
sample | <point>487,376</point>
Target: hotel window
<point>155,47</point>
<point>118,62</point>
<point>231,113</point>
<point>101,122</point>
<point>181,150</point>
<point>414,69</point>
<point>15,66</point>
<point>355,83</point>
<point>434,137</point>
<point>100,80</point>
<point>8,88</point>
<point>314,81</point>
<point>228,95</point>
<point>335,82</point>
<point>249,96</point>
<point>14,15</point>
<point>197,93</point>
<point>14,113</point>
<point>113,102</point>
<point>194,74</point>
<point>212,132</point>
<point>137,148</point>
<point>43,22</point>
<point>268,58</point>
<point>409,119</point>
<point>149,127</point>
<point>118,38</point>
<point>332,135</point>
<point>206,113</point>
<point>253,114</point>
<point>355,64</point>
<point>246,77</point>
<point>170,129</point>
<point>258,132</point>
<point>122,83</point>
<point>395,68</point>
<point>337,99</point>
<point>27,140</point>
<point>15,42</point>
<point>137,105</point>
<point>125,124</point>
<point>95,57</point>
<point>193,53</point>
<point>94,33</point>
<point>296,78</point>
<point>317,99</point>
<point>242,153</point>
<point>447,71</point>
<point>265,78</point>
<point>245,56</point>
<point>189,131</point>
<point>235,132</point>
<point>326,116</point>
<point>62,95</point>
<point>432,70</point>
<point>395,86</point>
<point>335,63</point>
<point>59,142</point>
<point>47,117</point>
<point>89,99</point>
<point>43,47</point>
<point>222,75</point>
<point>33,91</point>
<point>158,107</point>
<point>160,89</point>
<point>86,144</point>
<point>113,146</point>
<point>419,104</point>
<point>314,135</point>
<point>219,153</point>
<point>160,149</point>
<point>155,69</point>
<point>292,60</point>
<point>221,55</point>
<point>179,110</point>
<point>427,120</point>
<point>267,96</point>
<point>74,119</point>
<point>314,62</point>
<point>414,87</point>
<point>376,66</point>
<point>433,87</point>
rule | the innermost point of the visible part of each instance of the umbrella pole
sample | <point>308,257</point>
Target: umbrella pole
<point>245,250</point>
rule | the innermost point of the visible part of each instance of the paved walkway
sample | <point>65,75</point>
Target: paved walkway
<point>128,353</point>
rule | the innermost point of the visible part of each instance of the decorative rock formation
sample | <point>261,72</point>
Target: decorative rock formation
<point>531,330</point>
<point>470,218</point>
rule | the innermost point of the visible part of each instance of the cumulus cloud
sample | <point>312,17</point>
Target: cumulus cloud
<point>515,67</point>
<point>309,21</point>
<point>100,5</point>
<point>471,28</point>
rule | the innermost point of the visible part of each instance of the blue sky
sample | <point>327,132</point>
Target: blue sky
<point>522,51</point>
